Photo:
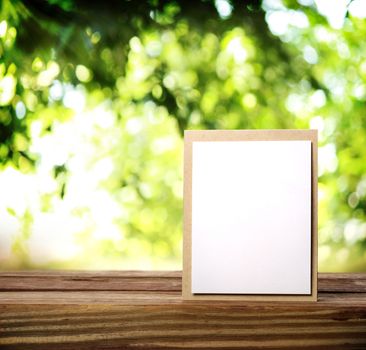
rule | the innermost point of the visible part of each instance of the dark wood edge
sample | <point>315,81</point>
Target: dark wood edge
<point>167,281</point>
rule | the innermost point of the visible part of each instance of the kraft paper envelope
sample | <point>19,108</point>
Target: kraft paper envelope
<point>250,215</point>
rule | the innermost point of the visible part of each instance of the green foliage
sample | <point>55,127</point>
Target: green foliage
<point>94,101</point>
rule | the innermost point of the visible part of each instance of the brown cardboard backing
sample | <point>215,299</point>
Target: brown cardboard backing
<point>247,135</point>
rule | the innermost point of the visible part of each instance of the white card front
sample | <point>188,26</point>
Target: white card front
<point>251,217</point>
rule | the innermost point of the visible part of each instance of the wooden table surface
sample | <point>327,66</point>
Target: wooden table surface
<point>144,310</point>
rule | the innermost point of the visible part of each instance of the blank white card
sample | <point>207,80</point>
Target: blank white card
<point>251,217</point>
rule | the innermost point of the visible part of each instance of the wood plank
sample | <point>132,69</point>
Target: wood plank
<point>140,280</point>
<point>184,325</point>
<point>342,282</point>
<point>159,298</point>
<point>91,280</point>
<point>158,318</point>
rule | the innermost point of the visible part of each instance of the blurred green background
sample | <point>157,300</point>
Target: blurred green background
<point>95,96</point>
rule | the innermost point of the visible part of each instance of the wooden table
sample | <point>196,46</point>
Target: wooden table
<point>144,310</point>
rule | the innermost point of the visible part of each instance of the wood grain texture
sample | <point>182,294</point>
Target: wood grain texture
<point>158,318</point>
<point>142,281</point>
<point>91,280</point>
